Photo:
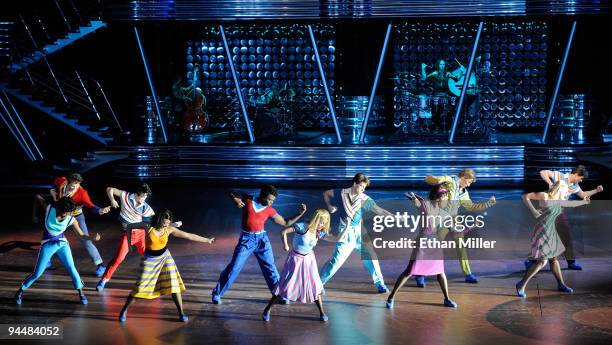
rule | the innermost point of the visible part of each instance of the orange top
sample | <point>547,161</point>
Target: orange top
<point>155,242</point>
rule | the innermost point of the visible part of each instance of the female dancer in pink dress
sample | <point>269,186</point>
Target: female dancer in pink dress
<point>427,261</point>
<point>300,280</point>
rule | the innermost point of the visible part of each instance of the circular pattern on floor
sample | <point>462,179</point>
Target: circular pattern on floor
<point>564,318</point>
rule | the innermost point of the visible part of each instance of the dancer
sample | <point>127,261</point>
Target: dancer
<point>427,261</point>
<point>300,279</point>
<point>158,272</point>
<point>546,244</point>
<point>70,186</point>
<point>254,239</point>
<point>572,179</point>
<point>353,202</point>
<point>57,219</point>
<point>459,197</point>
<point>133,209</point>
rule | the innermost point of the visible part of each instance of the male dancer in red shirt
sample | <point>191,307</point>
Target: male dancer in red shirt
<point>254,239</point>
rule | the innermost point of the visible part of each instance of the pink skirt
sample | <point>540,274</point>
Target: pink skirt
<point>427,262</point>
<point>300,279</point>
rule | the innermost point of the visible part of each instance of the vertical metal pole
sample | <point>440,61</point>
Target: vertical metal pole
<point>12,126</point>
<point>23,125</point>
<point>553,100</point>
<point>93,106</point>
<point>245,115</point>
<point>57,83</point>
<point>381,61</point>
<point>59,8</point>
<point>109,106</point>
<point>466,82</point>
<point>330,103</point>
<point>151,87</point>
<point>25,25</point>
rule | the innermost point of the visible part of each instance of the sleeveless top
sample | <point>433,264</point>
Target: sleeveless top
<point>54,229</point>
<point>302,242</point>
<point>155,242</point>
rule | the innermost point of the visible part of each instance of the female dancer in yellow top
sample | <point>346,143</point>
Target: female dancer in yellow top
<point>158,272</point>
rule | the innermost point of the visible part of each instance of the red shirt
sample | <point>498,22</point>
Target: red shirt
<point>80,196</point>
<point>253,221</point>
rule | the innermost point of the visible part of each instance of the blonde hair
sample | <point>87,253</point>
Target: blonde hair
<point>557,191</point>
<point>320,214</point>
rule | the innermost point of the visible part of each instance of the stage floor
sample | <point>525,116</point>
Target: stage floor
<point>488,312</point>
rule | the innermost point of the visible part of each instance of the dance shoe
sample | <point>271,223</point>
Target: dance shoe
<point>216,299</point>
<point>518,290</point>
<point>382,288</point>
<point>389,304</point>
<point>100,270</point>
<point>420,280</point>
<point>450,303</point>
<point>100,286</point>
<point>470,278</point>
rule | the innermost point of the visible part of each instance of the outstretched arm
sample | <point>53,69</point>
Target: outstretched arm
<point>278,219</point>
<point>189,236</point>
<point>413,198</point>
<point>574,203</point>
<point>236,198</point>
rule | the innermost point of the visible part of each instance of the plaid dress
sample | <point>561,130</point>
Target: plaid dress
<point>545,242</point>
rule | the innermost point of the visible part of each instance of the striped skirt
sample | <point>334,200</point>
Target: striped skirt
<point>158,276</point>
<point>300,279</point>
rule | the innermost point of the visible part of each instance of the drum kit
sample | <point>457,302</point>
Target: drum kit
<point>273,112</point>
<point>425,112</point>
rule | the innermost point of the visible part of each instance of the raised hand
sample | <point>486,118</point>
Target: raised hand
<point>302,208</point>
